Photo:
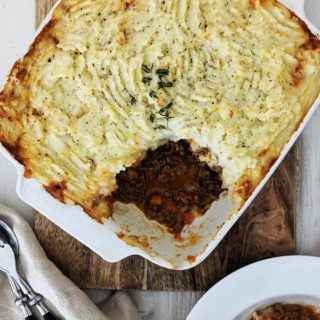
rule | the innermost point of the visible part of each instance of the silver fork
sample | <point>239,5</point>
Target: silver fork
<point>18,284</point>
<point>21,300</point>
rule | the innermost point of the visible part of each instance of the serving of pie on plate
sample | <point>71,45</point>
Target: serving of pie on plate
<point>271,289</point>
<point>288,311</point>
<point>222,84</point>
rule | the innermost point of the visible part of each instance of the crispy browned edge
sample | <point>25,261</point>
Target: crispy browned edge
<point>19,73</point>
<point>56,188</point>
<point>247,187</point>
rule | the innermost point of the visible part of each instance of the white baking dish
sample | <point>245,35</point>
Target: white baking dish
<point>156,245</point>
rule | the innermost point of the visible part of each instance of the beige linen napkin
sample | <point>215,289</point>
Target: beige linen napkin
<point>61,295</point>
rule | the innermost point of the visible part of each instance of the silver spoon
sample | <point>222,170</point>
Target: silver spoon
<point>8,265</point>
<point>8,234</point>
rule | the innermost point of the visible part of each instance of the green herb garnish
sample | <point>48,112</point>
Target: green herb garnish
<point>167,115</point>
<point>146,80</point>
<point>152,94</point>
<point>160,127</point>
<point>162,72</point>
<point>152,117</point>
<point>164,112</point>
<point>169,105</point>
<point>147,69</point>
<point>162,84</point>
<point>133,100</point>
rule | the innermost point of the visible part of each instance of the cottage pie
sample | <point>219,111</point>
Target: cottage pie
<point>107,82</point>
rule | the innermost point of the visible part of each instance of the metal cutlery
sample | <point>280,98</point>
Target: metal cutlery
<point>6,235</point>
<point>24,293</point>
<point>21,300</point>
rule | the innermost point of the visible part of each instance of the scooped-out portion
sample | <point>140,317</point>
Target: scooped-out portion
<point>170,185</point>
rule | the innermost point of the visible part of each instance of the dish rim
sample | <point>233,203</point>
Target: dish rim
<point>263,275</point>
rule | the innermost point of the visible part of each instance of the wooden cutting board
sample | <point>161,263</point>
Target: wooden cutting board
<point>265,230</point>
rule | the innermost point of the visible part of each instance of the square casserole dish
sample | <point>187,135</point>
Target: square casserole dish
<point>129,232</point>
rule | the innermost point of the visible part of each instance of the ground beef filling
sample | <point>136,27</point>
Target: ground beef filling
<point>287,312</point>
<point>170,185</point>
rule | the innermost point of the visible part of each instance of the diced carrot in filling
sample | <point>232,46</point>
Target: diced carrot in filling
<point>156,200</point>
<point>188,218</point>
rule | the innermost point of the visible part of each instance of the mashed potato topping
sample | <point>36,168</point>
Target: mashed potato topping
<point>107,80</point>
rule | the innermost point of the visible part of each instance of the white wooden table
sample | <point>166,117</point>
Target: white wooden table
<point>168,305</point>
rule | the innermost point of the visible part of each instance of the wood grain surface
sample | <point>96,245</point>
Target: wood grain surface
<point>266,229</point>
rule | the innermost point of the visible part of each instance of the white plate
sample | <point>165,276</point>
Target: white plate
<point>292,279</point>
<point>164,249</point>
